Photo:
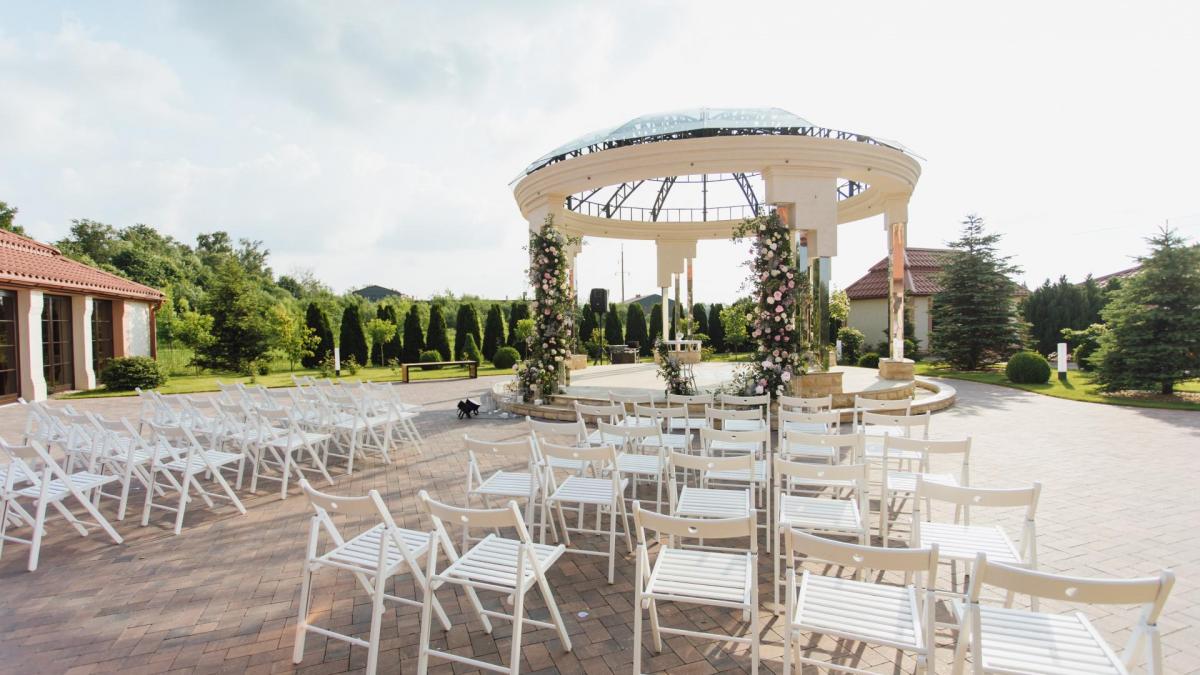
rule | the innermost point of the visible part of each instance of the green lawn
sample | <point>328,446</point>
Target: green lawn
<point>191,384</point>
<point>1078,387</point>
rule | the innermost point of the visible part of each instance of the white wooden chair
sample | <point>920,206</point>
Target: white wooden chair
<point>870,612</point>
<point>875,427</point>
<point>281,445</point>
<point>373,556</point>
<point>735,419</point>
<point>125,454</point>
<point>709,578</point>
<point>761,404</point>
<point>692,422</point>
<point>186,457</point>
<point>819,422</point>
<point>1008,640</point>
<point>638,457</point>
<point>630,403</point>
<point>805,404</point>
<point>663,417</point>
<point>809,498</point>
<point>719,443</point>
<point>578,492</point>
<point>902,485</point>
<point>508,566</point>
<point>606,414</point>
<point>961,540</point>
<point>558,433</point>
<point>48,487</point>
<point>828,448</point>
<point>501,484</point>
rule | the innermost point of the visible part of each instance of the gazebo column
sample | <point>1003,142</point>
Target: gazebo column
<point>806,199</point>
<point>691,299</point>
<point>672,263</point>
<point>896,224</point>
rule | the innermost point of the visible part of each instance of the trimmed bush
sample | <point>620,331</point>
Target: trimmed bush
<point>353,341</point>
<point>132,372</point>
<point>436,338</point>
<point>466,324</point>
<point>1027,368</point>
<point>868,360</point>
<point>471,350</point>
<point>506,357</point>
<point>414,340</point>
<point>431,355</point>
<point>315,319</point>
<point>852,343</point>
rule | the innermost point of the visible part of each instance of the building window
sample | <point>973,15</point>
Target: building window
<point>10,375</point>
<point>102,334</point>
<point>57,349</point>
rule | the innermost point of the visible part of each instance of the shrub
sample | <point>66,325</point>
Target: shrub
<point>436,338</point>
<point>1027,368</point>
<point>911,351</point>
<point>430,355</point>
<point>131,372</point>
<point>506,357</point>
<point>353,341</point>
<point>868,360</point>
<point>852,343</point>
<point>471,350</point>
<point>350,365</point>
<point>1085,342</point>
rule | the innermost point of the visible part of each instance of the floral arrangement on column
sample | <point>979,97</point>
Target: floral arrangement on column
<point>775,284</point>
<point>553,313</point>
<point>671,371</point>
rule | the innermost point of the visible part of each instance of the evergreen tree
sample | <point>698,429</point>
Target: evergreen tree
<point>352,340</point>
<point>520,310</point>
<point>635,328</point>
<point>315,319</point>
<point>414,340</point>
<point>1153,337</point>
<point>466,323</point>
<point>436,338</point>
<point>1051,308</point>
<point>716,329</point>
<point>614,334</point>
<point>391,348</point>
<point>587,323</point>
<point>493,332</point>
<point>699,319</point>
<point>656,327</point>
<point>239,312</point>
<point>974,320</point>
<point>471,350</point>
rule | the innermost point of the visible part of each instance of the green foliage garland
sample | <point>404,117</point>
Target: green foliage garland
<point>553,312</point>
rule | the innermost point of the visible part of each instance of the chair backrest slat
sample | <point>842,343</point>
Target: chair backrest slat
<point>695,528</point>
<point>858,556</point>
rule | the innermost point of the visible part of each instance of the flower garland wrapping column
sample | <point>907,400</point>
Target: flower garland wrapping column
<point>553,313</point>
<point>775,282</point>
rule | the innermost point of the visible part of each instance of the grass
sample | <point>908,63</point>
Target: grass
<point>1078,387</point>
<point>193,384</point>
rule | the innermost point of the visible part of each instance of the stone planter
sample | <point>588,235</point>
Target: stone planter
<point>577,362</point>
<point>892,369</point>
<point>811,385</point>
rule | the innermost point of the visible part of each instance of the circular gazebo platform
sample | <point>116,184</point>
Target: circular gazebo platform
<point>593,385</point>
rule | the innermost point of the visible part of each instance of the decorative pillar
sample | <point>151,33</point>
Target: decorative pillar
<point>896,223</point>
<point>819,273</point>
<point>691,299</point>
<point>666,321</point>
<point>29,346</point>
<point>672,264</point>
<point>675,313</point>
<point>81,339</point>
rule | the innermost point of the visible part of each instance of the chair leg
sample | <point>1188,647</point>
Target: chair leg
<point>544,586</point>
<point>427,614</point>
<point>35,543</point>
<point>302,619</point>
<point>183,499</point>
<point>376,624</point>
<point>655,634</point>
<point>637,617</point>
<point>612,542</point>
<point>514,657</point>
<point>787,648</point>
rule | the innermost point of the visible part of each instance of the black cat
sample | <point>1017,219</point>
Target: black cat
<point>467,408</point>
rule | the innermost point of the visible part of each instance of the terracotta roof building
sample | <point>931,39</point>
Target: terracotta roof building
<point>61,320</point>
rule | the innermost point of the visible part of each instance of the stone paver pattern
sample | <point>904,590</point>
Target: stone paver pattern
<point>1120,498</point>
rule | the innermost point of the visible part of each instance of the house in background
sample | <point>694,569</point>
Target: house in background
<point>376,293</point>
<point>869,295</point>
<point>61,320</point>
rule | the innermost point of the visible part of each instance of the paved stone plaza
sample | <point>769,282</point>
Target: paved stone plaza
<point>1120,498</point>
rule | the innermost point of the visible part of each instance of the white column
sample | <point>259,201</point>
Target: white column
<point>29,350</point>
<point>81,341</point>
<point>666,321</point>
<point>896,216</point>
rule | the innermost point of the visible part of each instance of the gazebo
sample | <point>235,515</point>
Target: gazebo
<point>628,182</point>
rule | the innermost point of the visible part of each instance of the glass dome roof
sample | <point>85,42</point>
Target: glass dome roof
<point>691,123</point>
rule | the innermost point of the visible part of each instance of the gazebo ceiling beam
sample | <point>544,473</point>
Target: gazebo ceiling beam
<point>663,189</point>
<point>619,196</point>
<point>747,190</point>
<point>574,204</point>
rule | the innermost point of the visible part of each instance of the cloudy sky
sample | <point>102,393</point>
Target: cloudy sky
<point>374,142</point>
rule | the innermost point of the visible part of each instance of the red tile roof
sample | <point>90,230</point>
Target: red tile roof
<point>32,264</point>
<point>921,267</point>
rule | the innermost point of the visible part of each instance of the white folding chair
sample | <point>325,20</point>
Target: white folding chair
<point>725,579</point>
<point>280,445</point>
<point>903,484</point>
<point>829,448</point>
<point>638,459</point>
<point>869,612</point>
<point>579,492</point>
<point>49,486</point>
<point>186,457</point>
<point>511,567</point>
<point>373,556</point>
<point>761,404</point>
<point>502,484</point>
<point>720,443</point>
<point>558,433</point>
<point>809,497</point>
<point>664,419</point>
<point>125,454</point>
<point>607,414</point>
<point>1008,640</point>
<point>961,540</point>
<point>702,501</point>
<point>735,419</point>
<point>805,404</point>
<point>630,403</point>
<point>821,422</point>
<point>692,422</point>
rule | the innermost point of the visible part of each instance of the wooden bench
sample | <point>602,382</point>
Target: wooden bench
<point>472,367</point>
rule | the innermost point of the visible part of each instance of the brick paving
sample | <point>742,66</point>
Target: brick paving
<point>1120,498</point>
